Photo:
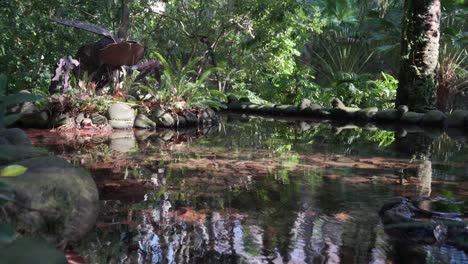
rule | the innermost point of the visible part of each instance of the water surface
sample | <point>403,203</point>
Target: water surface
<point>260,191</point>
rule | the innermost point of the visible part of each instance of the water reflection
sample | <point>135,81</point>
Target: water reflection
<point>262,191</point>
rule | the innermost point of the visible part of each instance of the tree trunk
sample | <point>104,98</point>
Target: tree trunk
<point>124,20</point>
<point>419,54</point>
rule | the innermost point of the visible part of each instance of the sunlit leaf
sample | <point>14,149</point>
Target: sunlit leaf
<point>13,171</point>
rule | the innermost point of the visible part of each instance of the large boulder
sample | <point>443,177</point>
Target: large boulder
<point>456,118</point>
<point>55,200</point>
<point>121,116</point>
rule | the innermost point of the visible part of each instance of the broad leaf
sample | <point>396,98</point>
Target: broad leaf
<point>13,171</point>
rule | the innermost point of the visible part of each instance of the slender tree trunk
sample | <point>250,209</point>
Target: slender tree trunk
<point>124,20</point>
<point>419,54</point>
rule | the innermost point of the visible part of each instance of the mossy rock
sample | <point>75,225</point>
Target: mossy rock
<point>121,111</point>
<point>313,110</point>
<point>166,120</point>
<point>266,109</point>
<point>304,104</point>
<point>387,115</point>
<point>121,124</point>
<point>433,118</point>
<point>62,120</point>
<point>366,113</point>
<point>324,112</point>
<point>99,119</point>
<point>142,121</point>
<point>412,117</point>
<point>343,113</point>
<point>456,118</point>
<point>181,121</point>
<point>253,107</point>
<point>232,99</point>
<point>190,117</point>
<point>157,112</point>
<point>238,107</point>
<point>52,184</point>
<point>285,110</point>
<point>35,120</point>
<point>121,116</point>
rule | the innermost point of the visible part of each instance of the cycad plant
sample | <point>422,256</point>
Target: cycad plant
<point>452,76</point>
<point>338,51</point>
<point>183,87</point>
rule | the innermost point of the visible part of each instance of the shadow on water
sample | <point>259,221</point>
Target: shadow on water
<point>251,190</point>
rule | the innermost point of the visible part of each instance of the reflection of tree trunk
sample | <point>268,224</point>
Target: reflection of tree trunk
<point>414,145</point>
<point>379,252</point>
<point>419,54</point>
<point>124,20</point>
<point>425,178</point>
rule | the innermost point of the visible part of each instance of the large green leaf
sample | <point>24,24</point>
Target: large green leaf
<point>13,171</point>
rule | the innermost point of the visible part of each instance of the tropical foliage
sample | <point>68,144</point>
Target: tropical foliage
<point>279,51</point>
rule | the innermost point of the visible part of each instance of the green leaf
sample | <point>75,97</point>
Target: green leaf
<point>13,171</point>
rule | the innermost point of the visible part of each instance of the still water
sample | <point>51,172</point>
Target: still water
<point>261,191</point>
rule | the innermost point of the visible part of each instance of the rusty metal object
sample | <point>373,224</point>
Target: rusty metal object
<point>109,50</point>
<point>103,57</point>
<point>124,53</point>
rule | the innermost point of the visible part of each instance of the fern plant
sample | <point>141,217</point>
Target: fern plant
<point>182,83</point>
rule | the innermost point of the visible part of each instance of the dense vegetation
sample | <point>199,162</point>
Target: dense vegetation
<point>279,51</point>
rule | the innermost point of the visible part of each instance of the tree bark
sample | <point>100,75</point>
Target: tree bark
<point>124,20</point>
<point>419,54</point>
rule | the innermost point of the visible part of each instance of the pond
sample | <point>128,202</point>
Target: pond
<point>251,190</point>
